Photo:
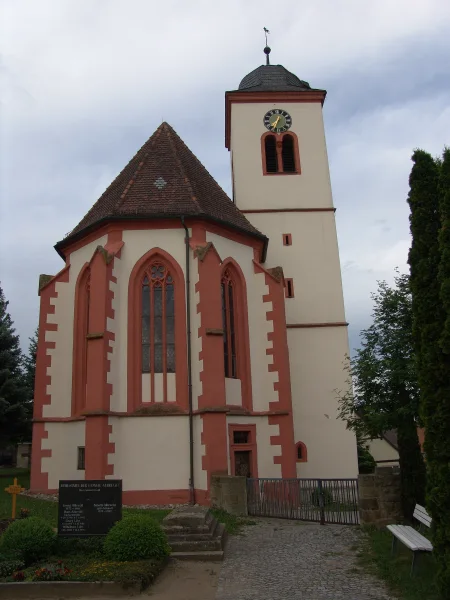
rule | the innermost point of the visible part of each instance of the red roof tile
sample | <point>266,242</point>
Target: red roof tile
<point>164,179</point>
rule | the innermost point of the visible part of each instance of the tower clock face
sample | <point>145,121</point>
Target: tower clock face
<point>277,120</point>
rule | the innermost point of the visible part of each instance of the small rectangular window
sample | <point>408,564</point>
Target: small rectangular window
<point>289,288</point>
<point>81,458</point>
<point>287,239</point>
<point>241,437</point>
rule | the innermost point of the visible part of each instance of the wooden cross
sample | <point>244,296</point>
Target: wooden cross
<point>14,489</point>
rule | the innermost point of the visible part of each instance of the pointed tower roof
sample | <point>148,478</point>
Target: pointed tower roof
<point>163,180</point>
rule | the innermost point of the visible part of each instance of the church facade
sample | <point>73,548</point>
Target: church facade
<point>189,333</point>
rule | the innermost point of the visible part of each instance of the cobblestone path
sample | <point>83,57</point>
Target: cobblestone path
<point>294,560</point>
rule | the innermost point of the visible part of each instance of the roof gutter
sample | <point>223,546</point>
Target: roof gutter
<point>189,365</point>
<point>62,244</point>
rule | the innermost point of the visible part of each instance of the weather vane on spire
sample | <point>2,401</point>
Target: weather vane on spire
<point>266,49</point>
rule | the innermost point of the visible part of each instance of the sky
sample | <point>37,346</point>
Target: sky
<point>84,83</point>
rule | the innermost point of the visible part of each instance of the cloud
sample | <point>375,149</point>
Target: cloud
<point>84,84</point>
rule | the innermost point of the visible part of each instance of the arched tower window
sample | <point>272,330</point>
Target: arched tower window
<point>280,155</point>
<point>80,334</point>
<point>158,319</point>
<point>287,154</point>
<point>271,154</point>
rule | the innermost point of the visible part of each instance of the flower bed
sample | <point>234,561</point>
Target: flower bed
<point>31,552</point>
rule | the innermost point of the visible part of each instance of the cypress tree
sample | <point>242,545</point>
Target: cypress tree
<point>438,419</point>
<point>430,268</point>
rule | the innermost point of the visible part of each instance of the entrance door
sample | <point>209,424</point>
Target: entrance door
<point>242,463</point>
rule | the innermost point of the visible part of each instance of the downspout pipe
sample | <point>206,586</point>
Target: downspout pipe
<point>189,365</point>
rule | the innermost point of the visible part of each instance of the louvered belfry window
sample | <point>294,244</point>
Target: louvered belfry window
<point>158,320</point>
<point>287,153</point>
<point>228,320</point>
<point>271,154</point>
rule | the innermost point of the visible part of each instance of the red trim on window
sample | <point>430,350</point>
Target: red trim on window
<point>287,239</point>
<point>289,288</point>
<point>304,457</point>
<point>80,331</point>
<point>251,446</point>
<point>279,146</point>
<point>134,370</point>
<point>241,329</point>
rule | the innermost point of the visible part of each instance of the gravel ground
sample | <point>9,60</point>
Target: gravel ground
<point>294,560</point>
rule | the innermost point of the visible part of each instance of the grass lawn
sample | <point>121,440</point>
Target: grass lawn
<point>49,510</point>
<point>44,508</point>
<point>376,558</point>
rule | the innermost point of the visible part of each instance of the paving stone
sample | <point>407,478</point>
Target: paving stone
<point>294,560</point>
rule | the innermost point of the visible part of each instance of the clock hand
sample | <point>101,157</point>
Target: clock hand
<point>275,123</point>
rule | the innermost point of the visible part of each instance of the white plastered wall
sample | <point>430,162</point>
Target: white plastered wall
<point>262,380</point>
<point>60,370</point>
<point>317,370</point>
<point>63,440</point>
<point>265,451</point>
<point>200,475</point>
<point>252,189</point>
<point>151,453</point>
<point>381,450</point>
<point>196,340</point>
<point>312,261</point>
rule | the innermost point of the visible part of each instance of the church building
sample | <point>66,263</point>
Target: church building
<point>190,333</point>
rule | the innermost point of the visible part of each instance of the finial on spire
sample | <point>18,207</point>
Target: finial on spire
<point>266,49</point>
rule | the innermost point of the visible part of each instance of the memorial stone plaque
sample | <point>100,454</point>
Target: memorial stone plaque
<point>89,507</point>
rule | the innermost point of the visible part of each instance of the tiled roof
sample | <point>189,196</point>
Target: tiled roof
<point>164,179</point>
<point>273,78</point>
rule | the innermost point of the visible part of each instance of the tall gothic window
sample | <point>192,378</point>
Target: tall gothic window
<point>158,320</point>
<point>81,330</point>
<point>228,320</point>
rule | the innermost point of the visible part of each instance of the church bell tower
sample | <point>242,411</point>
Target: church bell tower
<point>274,131</point>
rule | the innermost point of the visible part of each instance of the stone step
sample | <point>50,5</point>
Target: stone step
<point>190,536</point>
<point>196,546</point>
<point>213,555</point>
<point>206,528</point>
<point>197,517</point>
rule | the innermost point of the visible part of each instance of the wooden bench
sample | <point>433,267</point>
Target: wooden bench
<point>410,537</point>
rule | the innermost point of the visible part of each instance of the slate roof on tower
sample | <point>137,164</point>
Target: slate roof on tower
<point>163,180</point>
<point>271,78</point>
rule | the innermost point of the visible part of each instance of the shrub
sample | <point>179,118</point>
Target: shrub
<point>7,567</point>
<point>31,539</point>
<point>326,494</point>
<point>136,537</point>
<point>366,462</point>
<point>87,546</point>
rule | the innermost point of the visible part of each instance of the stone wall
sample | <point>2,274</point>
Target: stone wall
<point>23,457</point>
<point>380,497</point>
<point>230,494</point>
